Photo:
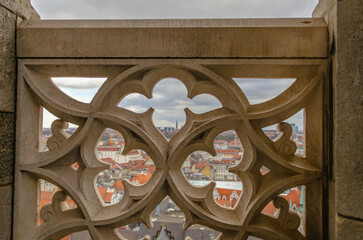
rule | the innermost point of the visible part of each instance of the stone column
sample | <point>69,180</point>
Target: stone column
<point>345,21</point>
<point>12,12</point>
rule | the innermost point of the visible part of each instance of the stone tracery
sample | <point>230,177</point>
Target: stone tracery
<point>286,170</point>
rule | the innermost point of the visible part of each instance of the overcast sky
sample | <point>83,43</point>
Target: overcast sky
<point>126,9</point>
<point>169,104</point>
<point>170,98</point>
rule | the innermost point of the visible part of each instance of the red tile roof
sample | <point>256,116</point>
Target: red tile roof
<point>108,160</point>
<point>108,197</point>
<point>269,209</point>
<point>228,192</point>
<point>45,197</point>
<point>294,195</point>
<point>226,203</point>
<point>102,191</point>
<point>141,178</point>
<point>200,165</point>
<point>118,184</point>
<point>229,150</point>
<point>126,165</point>
<point>133,152</point>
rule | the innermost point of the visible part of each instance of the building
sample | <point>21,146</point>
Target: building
<point>113,152</point>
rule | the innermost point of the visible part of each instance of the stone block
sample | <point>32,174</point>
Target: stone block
<point>206,38</point>
<point>22,8</point>
<point>5,212</point>
<point>7,134</point>
<point>332,26</point>
<point>323,7</point>
<point>348,229</point>
<point>7,60</point>
<point>348,112</point>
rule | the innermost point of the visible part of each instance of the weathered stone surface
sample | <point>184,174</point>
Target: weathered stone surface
<point>5,212</point>
<point>35,88</point>
<point>7,60</point>
<point>323,7</point>
<point>348,229</point>
<point>348,109</point>
<point>332,26</point>
<point>206,38</point>
<point>7,123</point>
<point>327,9</point>
<point>22,8</point>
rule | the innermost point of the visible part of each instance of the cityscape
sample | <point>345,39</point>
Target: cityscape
<point>200,168</point>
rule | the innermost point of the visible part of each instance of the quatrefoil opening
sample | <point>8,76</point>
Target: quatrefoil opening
<point>169,101</point>
<point>132,165</point>
<point>201,168</point>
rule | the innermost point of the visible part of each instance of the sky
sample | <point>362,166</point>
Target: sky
<point>169,104</point>
<point>150,9</point>
<point>170,98</point>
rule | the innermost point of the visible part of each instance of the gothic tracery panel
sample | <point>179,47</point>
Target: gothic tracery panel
<point>124,77</point>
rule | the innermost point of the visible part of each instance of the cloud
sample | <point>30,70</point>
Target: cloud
<point>258,90</point>
<point>170,100</point>
<point>48,119</point>
<point>82,95</point>
<point>131,9</point>
<point>78,82</point>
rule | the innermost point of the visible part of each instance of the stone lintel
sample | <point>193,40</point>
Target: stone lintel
<point>192,38</point>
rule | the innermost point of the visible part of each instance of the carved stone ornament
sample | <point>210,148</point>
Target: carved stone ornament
<point>56,141</point>
<point>283,142</point>
<point>213,77</point>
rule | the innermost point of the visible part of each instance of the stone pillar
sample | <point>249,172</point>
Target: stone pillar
<point>345,21</point>
<point>11,13</point>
